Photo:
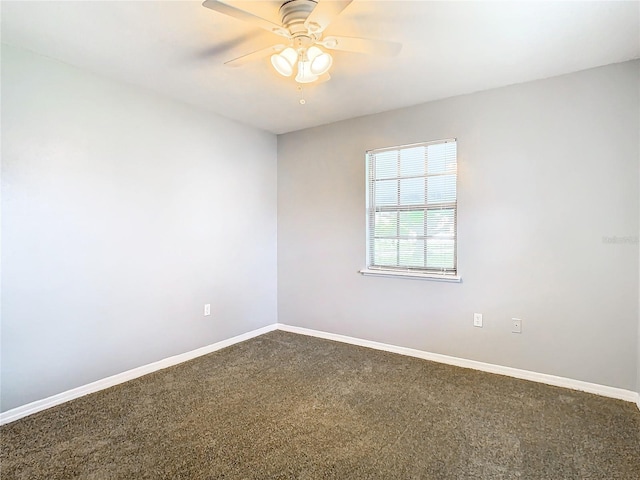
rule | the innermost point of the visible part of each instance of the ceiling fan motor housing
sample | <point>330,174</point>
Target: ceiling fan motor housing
<point>293,14</point>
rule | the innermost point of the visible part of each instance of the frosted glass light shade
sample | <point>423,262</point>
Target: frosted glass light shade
<point>284,61</point>
<point>304,73</point>
<point>320,62</point>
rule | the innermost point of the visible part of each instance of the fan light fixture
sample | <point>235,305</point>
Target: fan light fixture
<point>312,62</point>
<point>284,61</point>
<point>303,23</point>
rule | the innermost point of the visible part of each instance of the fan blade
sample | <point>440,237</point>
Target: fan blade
<point>257,55</point>
<point>246,17</point>
<point>362,45</point>
<point>323,13</point>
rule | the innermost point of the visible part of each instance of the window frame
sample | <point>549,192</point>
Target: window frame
<point>412,272</point>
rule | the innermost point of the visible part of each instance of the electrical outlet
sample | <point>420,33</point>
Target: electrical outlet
<point>516,326</point>
<point>207,309</point>
<point>477,320</point>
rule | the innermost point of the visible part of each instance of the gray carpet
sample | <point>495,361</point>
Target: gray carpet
<point>289,406</point>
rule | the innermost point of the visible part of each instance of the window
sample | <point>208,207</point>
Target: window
<point>411,210</point>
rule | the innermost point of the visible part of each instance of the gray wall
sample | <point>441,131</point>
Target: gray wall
<point>123,213</point>
<point>546,170</point>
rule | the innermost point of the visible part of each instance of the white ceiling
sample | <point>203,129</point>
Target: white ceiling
<point>449,48</point>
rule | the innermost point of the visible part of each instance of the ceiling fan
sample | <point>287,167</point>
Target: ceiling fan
<point>302,27</point>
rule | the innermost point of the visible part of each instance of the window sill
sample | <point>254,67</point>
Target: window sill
<point>412,275</point>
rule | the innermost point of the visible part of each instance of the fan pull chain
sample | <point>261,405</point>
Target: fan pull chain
<point>302,100</point>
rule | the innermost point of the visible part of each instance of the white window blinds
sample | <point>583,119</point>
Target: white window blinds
<point>411,208</point>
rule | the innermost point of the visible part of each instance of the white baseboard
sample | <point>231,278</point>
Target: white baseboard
<point>39,405</point>
<point>606,391</point>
